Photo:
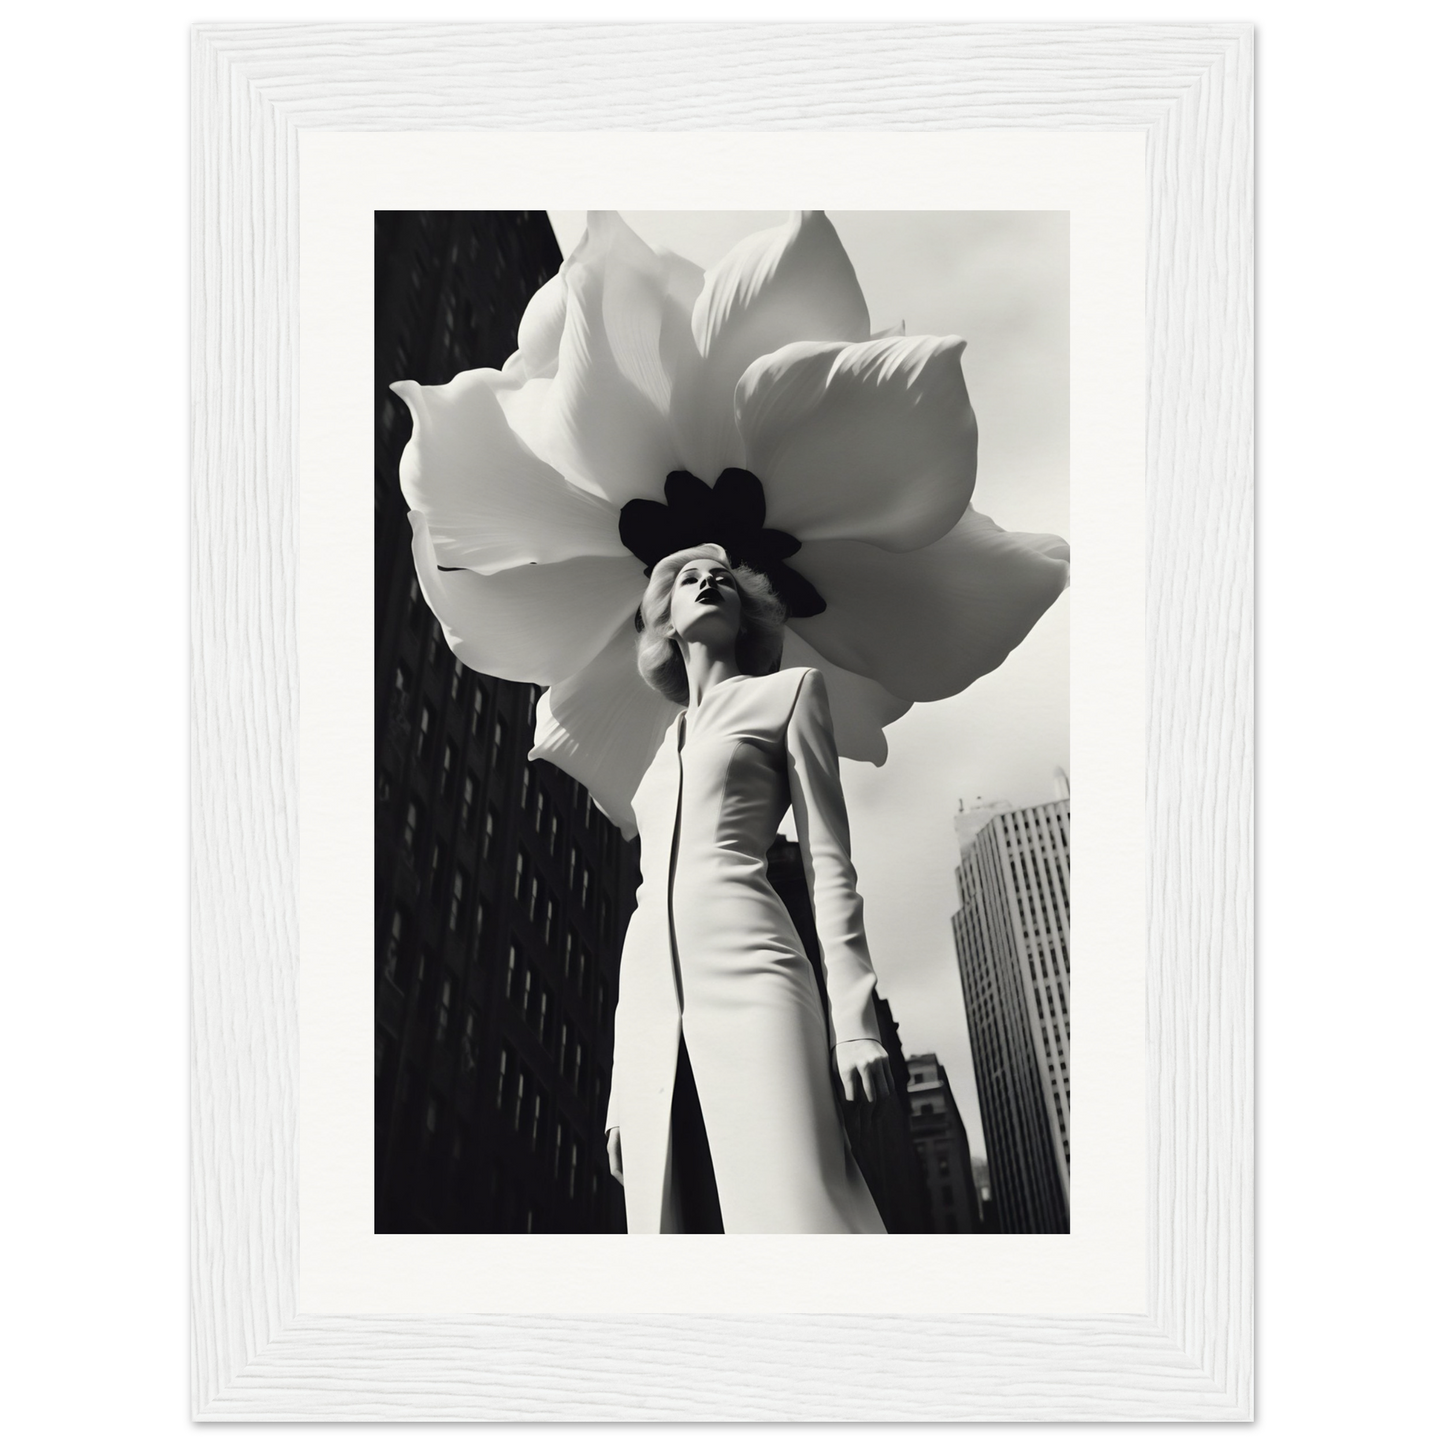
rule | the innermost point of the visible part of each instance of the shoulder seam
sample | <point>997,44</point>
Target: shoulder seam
<point>797,693</point>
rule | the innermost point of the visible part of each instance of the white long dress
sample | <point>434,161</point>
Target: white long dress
<point>712,954</point>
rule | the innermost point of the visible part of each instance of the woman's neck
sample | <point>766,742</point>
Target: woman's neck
<point>706,666</point>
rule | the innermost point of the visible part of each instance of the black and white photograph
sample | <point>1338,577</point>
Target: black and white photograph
<point>720,583</point>
<point>722,809</point>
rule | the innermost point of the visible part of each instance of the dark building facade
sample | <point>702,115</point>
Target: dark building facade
<point>880,1135</point>
<point>940,1141</point>
<point>502,894</point>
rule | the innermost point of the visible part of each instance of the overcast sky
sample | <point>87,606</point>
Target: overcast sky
<point>1001,281</point>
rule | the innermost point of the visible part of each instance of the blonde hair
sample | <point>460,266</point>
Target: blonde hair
<point>760,630</point>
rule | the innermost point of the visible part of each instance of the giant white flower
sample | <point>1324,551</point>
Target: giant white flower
<point>651,405</point>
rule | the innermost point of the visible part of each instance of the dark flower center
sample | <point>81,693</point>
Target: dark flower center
<point>729,513</point>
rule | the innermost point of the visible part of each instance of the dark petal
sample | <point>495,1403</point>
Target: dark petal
<point>774,545</point>
<point>778,544</point>
<point>795,592</point>
<point>688,495</point>
<point>739,496</point>
<point>648,530</point>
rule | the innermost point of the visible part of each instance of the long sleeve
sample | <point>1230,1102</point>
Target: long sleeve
<point>822,823</point>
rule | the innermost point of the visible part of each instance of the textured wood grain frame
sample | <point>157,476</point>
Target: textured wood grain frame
<point>1188,89</point>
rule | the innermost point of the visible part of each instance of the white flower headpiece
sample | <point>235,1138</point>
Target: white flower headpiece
<point>650,406</point>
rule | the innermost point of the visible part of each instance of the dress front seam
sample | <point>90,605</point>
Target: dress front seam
<point>672,875</point>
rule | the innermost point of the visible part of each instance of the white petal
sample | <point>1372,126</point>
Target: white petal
<point>875,442</point>
<point>529,623</point>
<point>540,332</point>
<point>603,725</point>
<point>791,283</point>
<point>861,708</point>
<point>926,624</point>
<point>489,501</point>
<point>602,420</point>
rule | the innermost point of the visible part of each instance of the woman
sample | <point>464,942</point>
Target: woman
<point>722,1103</point>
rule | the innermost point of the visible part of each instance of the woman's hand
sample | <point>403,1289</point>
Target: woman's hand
<point>863,1068</point>
<point>614,1153</point>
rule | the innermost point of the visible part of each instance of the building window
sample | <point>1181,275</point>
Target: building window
<point>459,889</point>
<point>489,840</point>
<point>401,690</point>
<point>572,1172</point>
<point>423,731</point>
<point>586,885</point>
<point>469,1043</point>
<point>415,607</point>
<point>519,1098</point>
<point>554,835</point>
<point>444,1010</point>
<point>504,1075</point>
<point>572,868</point>
<point>499,741</point>
<point>514,963</point>
<point>458,675</point>
<point>549,921</point>
<point>569,954</point>
<point>449,758</point>
<point>529,781</point>
<point>479,923</point>
<point>479,714</point>
<point>393,945</point>
<point>436,871</point>
<point>544,1018</point>
<point>534,898</point>
<point>528,994</point>
<point>431,1114</point>
<point>411,827</point>
<point>519,873</point>
<point>469,804</point>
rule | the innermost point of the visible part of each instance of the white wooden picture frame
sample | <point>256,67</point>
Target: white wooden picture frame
<point>1186,89</point>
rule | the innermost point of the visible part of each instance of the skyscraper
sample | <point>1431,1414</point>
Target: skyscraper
<point>940,1141</point>
<point>1012,937</point>
<point>501,892</point>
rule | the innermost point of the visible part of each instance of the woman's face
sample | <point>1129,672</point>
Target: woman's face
<point>706,603</point>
